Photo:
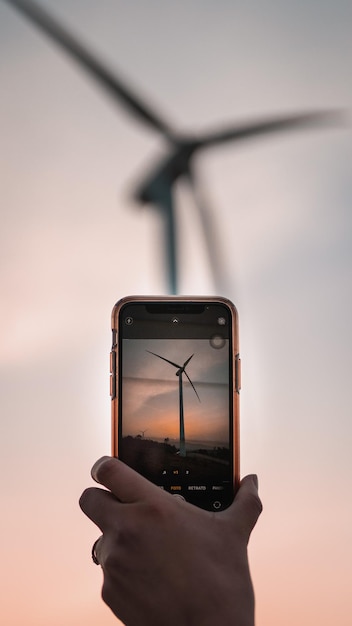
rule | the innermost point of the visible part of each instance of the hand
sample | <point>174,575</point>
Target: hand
<point>166,561</point>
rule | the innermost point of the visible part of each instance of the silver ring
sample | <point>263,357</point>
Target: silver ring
<point>94,554</point>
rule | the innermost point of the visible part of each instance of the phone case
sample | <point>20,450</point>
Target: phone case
<point>236,375</point>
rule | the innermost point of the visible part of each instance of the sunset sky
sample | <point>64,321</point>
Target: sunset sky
<point>73,242</point>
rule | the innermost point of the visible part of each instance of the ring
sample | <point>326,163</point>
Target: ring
<point>94,554</point>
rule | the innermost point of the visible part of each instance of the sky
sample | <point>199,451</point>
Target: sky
<point>73,242</point>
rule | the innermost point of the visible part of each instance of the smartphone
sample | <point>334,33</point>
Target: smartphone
<point>175,384</point>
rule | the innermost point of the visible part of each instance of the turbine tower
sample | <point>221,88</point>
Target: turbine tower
<point>181,369</point>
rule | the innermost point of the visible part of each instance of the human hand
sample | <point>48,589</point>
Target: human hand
<point>166,561</point>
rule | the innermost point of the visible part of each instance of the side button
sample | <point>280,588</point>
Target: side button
<point>238,373</point>
<point>112,362</point>
<point>112,386</point>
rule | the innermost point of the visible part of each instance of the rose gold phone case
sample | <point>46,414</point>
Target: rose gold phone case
<point>236,370</point>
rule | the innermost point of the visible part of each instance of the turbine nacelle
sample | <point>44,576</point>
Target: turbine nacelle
<point>166,172</point>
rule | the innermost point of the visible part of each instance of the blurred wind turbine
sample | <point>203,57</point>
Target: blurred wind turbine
<point>157,187</point>
<point>181,369</point>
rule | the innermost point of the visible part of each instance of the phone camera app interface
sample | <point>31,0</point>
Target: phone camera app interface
<point>175,405</point>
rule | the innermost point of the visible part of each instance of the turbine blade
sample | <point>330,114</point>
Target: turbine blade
<point>163,358</point>
<point>272,125</point>
<point>91,64</point>
<point>194,389</point>
<point>188,360</point>
<point>211,235</point>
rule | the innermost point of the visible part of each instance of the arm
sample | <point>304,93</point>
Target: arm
<point>166,561</point>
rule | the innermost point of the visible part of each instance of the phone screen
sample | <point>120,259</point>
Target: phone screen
<point>175,392</point>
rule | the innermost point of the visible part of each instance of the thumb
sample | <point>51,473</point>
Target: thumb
<point>127,485</point>
<point>246,506</point>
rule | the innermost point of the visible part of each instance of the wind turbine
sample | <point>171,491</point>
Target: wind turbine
<point>181,369</point>
<point>157,187</point>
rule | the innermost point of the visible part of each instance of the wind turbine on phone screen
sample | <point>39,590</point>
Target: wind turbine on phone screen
<point>181,369</point>
<point>157,188</point>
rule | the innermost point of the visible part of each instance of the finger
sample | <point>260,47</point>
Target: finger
<point>126,484</point>
<point>247,505</point>
<point>100,506</point>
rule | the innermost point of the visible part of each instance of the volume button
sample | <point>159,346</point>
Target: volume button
<point>113,374</point>
<point>238,373</point>
<point>112,386</point>
<point>112,362</point>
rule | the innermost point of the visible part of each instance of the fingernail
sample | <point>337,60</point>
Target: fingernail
<point>97,465</point>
